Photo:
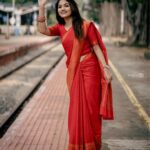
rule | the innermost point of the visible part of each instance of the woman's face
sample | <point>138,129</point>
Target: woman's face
<point>64,9</point>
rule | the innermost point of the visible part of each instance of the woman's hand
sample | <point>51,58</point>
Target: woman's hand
<point>42,3</point>
<point>107,74</point>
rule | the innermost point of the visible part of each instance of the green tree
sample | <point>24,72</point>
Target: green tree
<point>136,13</point>
<point>95,4</point>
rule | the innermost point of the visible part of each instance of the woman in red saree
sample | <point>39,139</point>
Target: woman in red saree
<point>88,74</point>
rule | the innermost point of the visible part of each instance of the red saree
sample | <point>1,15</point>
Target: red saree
<point>90,94</point>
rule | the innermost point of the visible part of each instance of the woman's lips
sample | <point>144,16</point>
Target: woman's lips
<point>63,12</point>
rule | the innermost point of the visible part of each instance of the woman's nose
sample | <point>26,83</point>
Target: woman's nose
<point>62,8</point>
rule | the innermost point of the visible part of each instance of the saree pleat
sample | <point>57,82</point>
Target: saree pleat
<point>84,121</point>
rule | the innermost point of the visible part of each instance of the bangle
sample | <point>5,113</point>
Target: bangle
<point>41,19</point>
<point>42,6</point>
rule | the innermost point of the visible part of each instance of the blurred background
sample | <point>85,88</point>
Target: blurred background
<point>117,18</point>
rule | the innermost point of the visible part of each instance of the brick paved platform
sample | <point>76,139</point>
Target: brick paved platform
<point>42,124</point>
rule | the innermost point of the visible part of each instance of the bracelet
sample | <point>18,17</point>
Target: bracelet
<point>41,19</point>
<point>41,7</point>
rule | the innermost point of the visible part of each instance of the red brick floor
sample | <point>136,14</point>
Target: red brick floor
<point>42,124</point>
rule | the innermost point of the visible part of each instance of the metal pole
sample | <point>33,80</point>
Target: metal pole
<point>122,21</point>
<point>7,34</point>
<point>13,13</point>
<point>13,5</point>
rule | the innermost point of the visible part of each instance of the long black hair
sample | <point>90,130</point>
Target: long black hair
<point>77,20</point>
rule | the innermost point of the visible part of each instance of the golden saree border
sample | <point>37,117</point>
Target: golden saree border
<point>74,58</point>
<point>85,146</point>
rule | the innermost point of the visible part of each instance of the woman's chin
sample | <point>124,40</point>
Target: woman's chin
<point>64,16</point>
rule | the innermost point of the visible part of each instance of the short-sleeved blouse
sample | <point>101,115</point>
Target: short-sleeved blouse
<point>88,42</point>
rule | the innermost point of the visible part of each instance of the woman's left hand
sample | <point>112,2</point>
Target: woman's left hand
<point>108,74</point>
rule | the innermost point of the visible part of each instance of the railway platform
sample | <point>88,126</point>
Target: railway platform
<point>42,122</point>
<point>18,46</point>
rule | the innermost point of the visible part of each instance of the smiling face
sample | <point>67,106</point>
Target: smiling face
<point>64,9</point>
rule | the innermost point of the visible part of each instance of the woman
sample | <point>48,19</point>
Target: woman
<point>88,75</point>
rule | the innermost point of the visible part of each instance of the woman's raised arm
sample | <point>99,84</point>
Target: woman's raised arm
<point>42,27</point>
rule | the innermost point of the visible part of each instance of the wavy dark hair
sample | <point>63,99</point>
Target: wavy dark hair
<point>77,20</point>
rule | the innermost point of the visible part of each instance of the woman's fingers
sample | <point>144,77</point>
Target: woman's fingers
<point>108,75</point>
<point>42,2</point>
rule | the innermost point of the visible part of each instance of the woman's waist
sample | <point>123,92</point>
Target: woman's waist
<point>89,64</point>
<point>87,55</point>
<point>84,56</point>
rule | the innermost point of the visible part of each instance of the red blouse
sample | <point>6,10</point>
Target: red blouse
<point>89,40</point>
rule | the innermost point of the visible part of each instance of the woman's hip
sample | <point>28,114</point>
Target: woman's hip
<point>89,65</point>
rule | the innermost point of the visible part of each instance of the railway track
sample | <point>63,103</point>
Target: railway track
<point>22,77</point>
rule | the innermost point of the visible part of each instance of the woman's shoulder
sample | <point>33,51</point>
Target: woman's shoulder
<point>57,24</point>
<point>87,23</point>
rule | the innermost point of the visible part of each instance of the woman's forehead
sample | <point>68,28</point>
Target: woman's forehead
<point>61,2</point>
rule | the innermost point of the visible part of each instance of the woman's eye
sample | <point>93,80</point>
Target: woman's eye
<point>67,5</point>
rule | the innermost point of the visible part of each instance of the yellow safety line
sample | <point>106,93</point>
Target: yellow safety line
<point>140,110</point>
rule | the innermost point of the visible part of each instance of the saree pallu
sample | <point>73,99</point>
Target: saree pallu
<point>84,121</point>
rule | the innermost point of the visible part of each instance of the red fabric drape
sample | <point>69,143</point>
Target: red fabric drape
<point>90,94</point>
<point>106,107</point>
<point>84,121</point>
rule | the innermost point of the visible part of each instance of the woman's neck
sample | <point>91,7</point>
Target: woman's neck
<point>68,21</point>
